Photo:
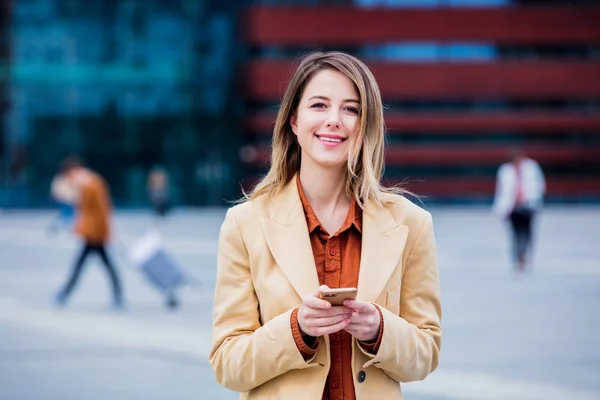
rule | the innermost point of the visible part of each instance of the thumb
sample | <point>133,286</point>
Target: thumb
<point>320,290</point>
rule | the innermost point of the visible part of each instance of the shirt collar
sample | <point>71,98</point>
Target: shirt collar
<point>354,216</point>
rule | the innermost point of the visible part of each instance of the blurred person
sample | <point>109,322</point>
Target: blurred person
<point>321,219</point>
<point>93,225</point>
<point>520,188</point>
<point>64,192</point>
<point>158,191</point>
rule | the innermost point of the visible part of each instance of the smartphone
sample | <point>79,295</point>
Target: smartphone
<point>337,296</point>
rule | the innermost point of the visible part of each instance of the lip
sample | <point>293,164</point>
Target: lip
<point>330,136</point>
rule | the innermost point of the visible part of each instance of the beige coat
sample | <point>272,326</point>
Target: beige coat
<point>265,265</point>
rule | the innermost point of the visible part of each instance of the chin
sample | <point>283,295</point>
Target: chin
<point>328,163</point>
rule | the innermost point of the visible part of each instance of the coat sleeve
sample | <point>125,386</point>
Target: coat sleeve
<point>245,353</point>
<point>411,342</point>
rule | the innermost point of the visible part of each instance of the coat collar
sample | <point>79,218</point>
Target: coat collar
<point>286,233</point>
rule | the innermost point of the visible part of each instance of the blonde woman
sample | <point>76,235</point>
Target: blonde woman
<point>321,219</point>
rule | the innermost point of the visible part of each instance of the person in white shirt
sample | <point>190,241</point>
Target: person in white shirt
<point>520,188</point>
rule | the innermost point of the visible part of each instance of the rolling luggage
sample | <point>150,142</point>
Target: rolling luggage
<point>148,255</point>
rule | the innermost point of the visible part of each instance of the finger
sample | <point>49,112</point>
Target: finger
<point>328,330</point>
<point>356,318</point>
<point>320,290</point>
<point>320,304</point>
<point>315,313</point>
<point>363,321</point>
<point>355,326</point>
<point>333,311</point>
<point>328,321</point>
<point>316,303</point>
<point>360,306</point>
<point>330,312</point>
<point>362,333</point>
<point>352,330</point>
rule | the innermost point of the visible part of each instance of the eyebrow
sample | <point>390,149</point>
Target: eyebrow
<point>328,99</point>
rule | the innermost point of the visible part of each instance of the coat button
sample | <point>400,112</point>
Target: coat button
<point>362,375</point>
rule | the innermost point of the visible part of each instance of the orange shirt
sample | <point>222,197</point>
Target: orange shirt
<point>337,258</point>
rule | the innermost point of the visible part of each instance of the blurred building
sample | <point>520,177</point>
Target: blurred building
<point>130,84</point>
<point>126,84</point>
<point>465,83</point>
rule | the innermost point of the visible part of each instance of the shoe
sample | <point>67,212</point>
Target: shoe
<point>60,300</point>
<point>117,305</point>
<point>172,303</point>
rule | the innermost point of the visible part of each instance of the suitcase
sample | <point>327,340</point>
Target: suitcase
<point>148,255</point>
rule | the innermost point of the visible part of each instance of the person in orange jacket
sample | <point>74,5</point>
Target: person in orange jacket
<point>92,225</point>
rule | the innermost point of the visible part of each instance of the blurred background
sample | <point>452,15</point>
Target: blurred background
<point>192,87</point>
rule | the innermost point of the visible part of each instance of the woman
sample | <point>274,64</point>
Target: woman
<point>321,219</point>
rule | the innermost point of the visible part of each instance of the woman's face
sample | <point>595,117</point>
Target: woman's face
<point>326,119</point>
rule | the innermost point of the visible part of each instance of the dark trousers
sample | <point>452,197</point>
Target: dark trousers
<point>520,222</point>
<point>89,248</point>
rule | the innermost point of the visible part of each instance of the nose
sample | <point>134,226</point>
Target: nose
<point>333,120</point>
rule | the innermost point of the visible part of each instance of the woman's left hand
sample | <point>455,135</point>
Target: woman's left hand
<point>365,321</point>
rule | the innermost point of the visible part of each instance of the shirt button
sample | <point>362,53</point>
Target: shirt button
<point>362,376</point>
<point>335,384</point>
<point>332,252</point>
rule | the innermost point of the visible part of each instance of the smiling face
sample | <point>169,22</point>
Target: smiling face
<point>326,119</point>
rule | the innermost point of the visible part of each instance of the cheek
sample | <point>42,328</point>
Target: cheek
<point>308,122</point>
<point>350,123</point>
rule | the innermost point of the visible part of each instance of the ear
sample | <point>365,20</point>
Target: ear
<point>293,124</point>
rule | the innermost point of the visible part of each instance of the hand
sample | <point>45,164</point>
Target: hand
<point>365,322</point>
<point>317,317</point>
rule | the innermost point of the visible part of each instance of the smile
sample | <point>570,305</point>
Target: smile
<point>330,140</point>
<point>325,139</point>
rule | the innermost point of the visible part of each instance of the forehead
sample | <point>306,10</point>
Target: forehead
<point>330,83</point>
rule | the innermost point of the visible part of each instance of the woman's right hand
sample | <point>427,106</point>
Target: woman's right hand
<point>317,317</point>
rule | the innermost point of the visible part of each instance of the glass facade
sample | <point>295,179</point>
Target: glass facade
<point>127,85</point>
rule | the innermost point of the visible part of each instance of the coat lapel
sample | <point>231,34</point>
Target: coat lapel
<point>383,243</point>
<point>287,236</point>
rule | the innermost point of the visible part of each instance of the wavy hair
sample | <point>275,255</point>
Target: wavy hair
<point>365,165</point>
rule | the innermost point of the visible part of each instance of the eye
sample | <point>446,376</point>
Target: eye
<point>318,105</point>
<point>353,110</point>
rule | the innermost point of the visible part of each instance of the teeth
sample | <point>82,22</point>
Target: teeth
<point>325,139</point>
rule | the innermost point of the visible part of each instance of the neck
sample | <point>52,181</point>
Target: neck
<point>325,189</point>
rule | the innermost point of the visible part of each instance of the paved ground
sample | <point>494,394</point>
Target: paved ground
<point>533,337</point>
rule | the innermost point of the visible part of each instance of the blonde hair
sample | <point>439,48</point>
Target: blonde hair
<point>365,165</point>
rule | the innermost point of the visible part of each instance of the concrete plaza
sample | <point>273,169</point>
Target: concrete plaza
<point>533,336</point>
